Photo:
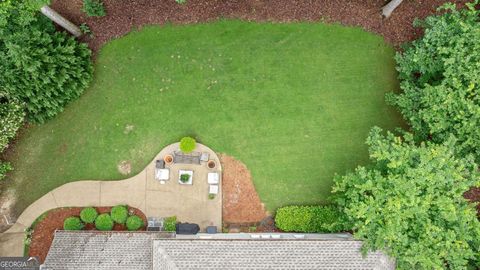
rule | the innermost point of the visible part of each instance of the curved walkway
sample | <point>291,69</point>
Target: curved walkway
<point>190,203</point>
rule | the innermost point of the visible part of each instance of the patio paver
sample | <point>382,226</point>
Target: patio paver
<point>190,203</point>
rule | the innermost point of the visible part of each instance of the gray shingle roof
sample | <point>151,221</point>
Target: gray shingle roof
<point>158,251</point>
<point>264,254</point>
<point>94,250</point>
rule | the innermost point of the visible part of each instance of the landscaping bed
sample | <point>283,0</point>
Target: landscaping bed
<point>44,228</point>
<point>123,16</point>
<point>241,203</point>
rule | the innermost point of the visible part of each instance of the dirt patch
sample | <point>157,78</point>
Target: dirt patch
<point>124,167</point>
<point>123,16</point>
<point>7,218</point>
<point>241,203</point>
<point>44,230</point>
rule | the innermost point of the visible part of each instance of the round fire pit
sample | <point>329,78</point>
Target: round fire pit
<point>168,159</point>
<point>211,164</point>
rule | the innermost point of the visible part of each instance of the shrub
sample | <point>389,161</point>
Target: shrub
<point>181,2</point>
<point>119,214</point>
<point>134,223</point>
<point>5,167</point>
<point>93,8</point>
<point>310,219</point>
<point>169,224</point>
<point>187,144</point>
<point>104,222</point>
<point>40,67</point>
<point>72,224</point>
<point>88,214</point>
<point>11,119</point>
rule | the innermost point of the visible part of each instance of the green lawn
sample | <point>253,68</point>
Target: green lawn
<point>294,102</point>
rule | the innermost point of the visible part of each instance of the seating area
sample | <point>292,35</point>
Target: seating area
<point>192,179</point>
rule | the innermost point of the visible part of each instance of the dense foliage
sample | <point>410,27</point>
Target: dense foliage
<point>169,224</point>
<point>187,144</point>
<point>88,214</point>
<point>440,79</point>
<point>11,118</point>
<point>93,8</point>
<point>119,214</point>
<point>410,203</point>
<point>310,219</point>
<point>134,223</point>
<point>72,224</point>
<point>104,222</point>
<point>43,68</point>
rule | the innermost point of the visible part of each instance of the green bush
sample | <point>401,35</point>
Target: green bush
<point>181,2</point>
<point>310,219</point>
<point>40,67</point>
<point>94,8</point>
<point>72,224</point>
<point>440,79</point>
<point>134,223</point>
<point>187,144</point>
<point>119,214</point>
<point>169,224</point>
<point>88,214</point>
<point>11,119</point>
<point>104,222</point>
<point>5,167</point>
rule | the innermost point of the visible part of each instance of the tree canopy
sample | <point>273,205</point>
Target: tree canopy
<point>410,204</point>
<point>440,79</point>
<point>43,68</point>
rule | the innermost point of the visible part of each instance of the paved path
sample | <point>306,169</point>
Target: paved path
<point>190,203</point>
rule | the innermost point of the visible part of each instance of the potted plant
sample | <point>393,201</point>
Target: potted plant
<point>168,159</point>
<point>211,164</point>
<point>184,178</point>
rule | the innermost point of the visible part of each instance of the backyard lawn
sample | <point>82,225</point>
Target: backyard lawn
<point>294,102</point>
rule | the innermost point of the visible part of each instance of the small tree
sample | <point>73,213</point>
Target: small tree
<point>410,204</point>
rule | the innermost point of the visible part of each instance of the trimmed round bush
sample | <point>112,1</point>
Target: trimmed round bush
<point>88,214</point>
<point>119,214</point>
<point>310,219</point>
<point>134,223</point>
<point>73,224</point>
<point>104,222</point>
<point>187,144</point>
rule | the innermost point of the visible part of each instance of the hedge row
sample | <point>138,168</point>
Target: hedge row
<point>311,219</point>
<point>104,222</point>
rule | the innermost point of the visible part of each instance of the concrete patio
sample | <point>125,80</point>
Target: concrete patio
<point>190,203</point>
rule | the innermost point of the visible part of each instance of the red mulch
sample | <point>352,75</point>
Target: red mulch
<point>44,230</point>
<point>123,16</point>
<point>241,203</point>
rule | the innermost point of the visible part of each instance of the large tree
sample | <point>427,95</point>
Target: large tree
<point>410,203</point>
<point>40,66</point>
<point>440,79</point>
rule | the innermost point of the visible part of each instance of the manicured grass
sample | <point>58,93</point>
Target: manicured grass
<point>294,102</point>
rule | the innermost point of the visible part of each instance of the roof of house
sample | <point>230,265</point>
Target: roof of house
<point>264,254</point>
<point>143,250</point>
<point>94,250</point>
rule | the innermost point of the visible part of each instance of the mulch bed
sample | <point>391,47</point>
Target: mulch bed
<point>241,203</point>
<point>44,230</point>
<point>473,195</point>
<point>123,16</point>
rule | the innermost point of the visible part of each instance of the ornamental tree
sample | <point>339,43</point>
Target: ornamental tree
<point>410,203</point>
<point>440,79</point>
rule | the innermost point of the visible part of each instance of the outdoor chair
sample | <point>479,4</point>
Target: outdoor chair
<point>161,173</point>
<point>213,178</point>
<point>213,189</point>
